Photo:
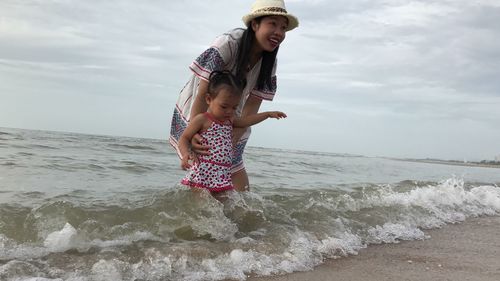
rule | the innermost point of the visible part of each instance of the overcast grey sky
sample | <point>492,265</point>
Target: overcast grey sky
<point>394,78</point>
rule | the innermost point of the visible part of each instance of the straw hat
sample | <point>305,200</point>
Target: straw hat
<point>270,8</point>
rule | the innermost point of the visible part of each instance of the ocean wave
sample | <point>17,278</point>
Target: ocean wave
<point>42,146</point>
<point>25,154</point>
<point>181,235</point>
<point>133,167</point>
<point>131,146</point>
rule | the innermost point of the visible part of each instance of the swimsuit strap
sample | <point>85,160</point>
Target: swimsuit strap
<point>211,117</point>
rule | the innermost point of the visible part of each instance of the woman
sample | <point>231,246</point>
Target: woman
<point>250,54</point>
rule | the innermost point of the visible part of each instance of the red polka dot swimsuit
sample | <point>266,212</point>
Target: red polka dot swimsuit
<point>213,170</point>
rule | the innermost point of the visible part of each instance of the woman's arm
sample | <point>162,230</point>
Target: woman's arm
<point>251,107</point>
<point>199,103</point>
<point>199,106</point>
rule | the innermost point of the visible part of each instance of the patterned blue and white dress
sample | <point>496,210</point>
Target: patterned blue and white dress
<point>221,55</point>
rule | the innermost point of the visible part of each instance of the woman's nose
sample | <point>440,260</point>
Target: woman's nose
<point>280,33</point>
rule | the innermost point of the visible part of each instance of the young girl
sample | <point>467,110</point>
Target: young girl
<point>250,54</point>
<point>212,171</point>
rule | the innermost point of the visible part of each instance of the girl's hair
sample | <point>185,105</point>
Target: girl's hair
<point>243,59</point>
<point>225,78</point>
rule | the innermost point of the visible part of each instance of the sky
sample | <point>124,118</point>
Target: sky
<point>395,78</point>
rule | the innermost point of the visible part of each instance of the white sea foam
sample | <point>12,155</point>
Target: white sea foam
<point>155,266</point>
<point>393,233</point>
<point>65,239</point>
<point>344,245</point>
<point>304,252</point>
<point>123,240</point>
<point>60,241</point>
<point>35,279</point>
<point>105,270</point>
<point>10,249</point>
<point>11,269</point>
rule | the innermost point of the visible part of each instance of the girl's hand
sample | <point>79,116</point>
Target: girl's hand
<point>197,147</point>
<point>276,114</point>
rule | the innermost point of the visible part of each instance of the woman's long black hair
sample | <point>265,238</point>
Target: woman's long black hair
<point>243,59</point>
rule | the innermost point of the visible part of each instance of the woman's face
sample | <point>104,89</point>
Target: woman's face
<point>270,32</point>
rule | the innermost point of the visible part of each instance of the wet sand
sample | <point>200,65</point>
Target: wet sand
<point>466,251</point>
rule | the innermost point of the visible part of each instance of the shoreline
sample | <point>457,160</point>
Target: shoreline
<point>464,251</point>
<point>451,163</point>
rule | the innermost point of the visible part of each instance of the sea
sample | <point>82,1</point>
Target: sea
<point>87,207</point>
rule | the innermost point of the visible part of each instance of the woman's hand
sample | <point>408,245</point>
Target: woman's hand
<point>185,162</point>
<point>197,147</point>
<point>189,160</point>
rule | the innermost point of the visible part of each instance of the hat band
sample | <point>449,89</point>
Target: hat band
<point>271,10</point>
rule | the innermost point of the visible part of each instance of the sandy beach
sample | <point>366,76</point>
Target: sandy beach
<point>465,251</point>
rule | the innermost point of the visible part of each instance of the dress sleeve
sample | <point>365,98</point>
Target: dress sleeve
<point>268,92</point>
<point>220,56</point>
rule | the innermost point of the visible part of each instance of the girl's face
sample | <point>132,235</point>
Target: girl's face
<point>270,32</point>
<point>223,106</point>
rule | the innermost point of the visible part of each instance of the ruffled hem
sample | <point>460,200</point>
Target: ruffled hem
<point>211,189</point>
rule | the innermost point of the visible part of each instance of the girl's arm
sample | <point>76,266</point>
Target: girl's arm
<point>250,120</point>
<point>194,126</point>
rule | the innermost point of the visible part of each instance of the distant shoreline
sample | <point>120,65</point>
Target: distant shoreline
<point>447,162</point>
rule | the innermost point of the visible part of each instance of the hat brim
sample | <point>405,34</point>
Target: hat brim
<point>293,22</point>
